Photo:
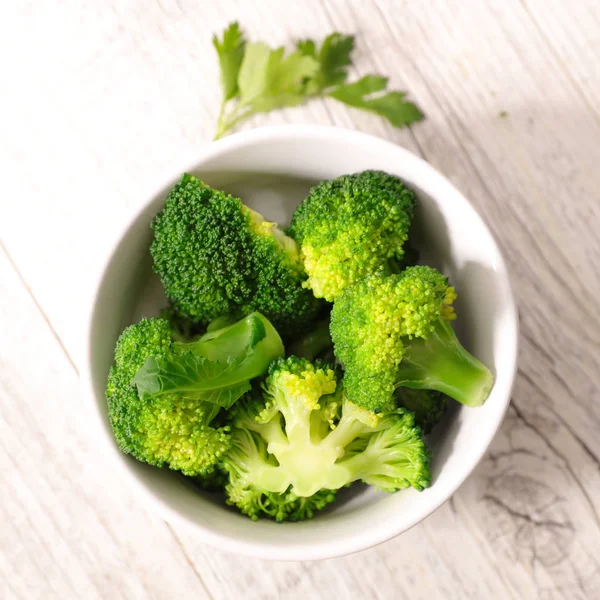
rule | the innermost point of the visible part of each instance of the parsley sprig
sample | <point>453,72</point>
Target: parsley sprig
<point>258,79</point>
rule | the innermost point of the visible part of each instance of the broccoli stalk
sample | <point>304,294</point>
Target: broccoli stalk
<point>441,363</point>
<point>249,464</point>
<point>391,331</point>
<point>305,437</point>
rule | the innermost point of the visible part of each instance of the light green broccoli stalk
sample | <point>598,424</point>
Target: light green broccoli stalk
<point>248,457</point>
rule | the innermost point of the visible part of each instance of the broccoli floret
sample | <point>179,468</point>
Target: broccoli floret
<point>428,406</point>
<point>305,440</point>
<point>391,331</point>
<point>351,227</point>
<point>168,430</point>
<point>217,257</point>
<point>164,396</point>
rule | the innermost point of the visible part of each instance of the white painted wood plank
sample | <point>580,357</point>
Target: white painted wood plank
<point>68,527</point>
<point>571,32</point>
<point>129,92</point>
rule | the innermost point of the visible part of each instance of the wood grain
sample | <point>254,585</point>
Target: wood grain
<point>102,101</point>
<point>69,528</point>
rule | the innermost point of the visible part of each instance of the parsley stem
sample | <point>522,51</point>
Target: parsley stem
<point>225,124</point>
<point>221,121</point>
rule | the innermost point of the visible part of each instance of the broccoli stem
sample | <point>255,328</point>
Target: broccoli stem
<point>441,363</point>
<point>346,431</point>
<point>247,459</point>
<point>362,464</point>
<point>314,343</point>
<point>271,432</point>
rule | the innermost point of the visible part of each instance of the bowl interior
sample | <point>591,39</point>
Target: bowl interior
<point>272,174</point>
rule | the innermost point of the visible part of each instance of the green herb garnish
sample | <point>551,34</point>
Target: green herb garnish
<point>256,78</point>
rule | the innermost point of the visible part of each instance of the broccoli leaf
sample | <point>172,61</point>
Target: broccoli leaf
<point>216,368</point>
<point>231,53</point>
<point>193,377</point>
<point>392,105</point>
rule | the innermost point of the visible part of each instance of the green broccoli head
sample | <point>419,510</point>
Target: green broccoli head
<point>428,406</point>
<point>164,395</point>
<point>168,430</point>
<point>217,257</point>
<point>391,331</point>
<point>351,227</point>
<point>303,439</point>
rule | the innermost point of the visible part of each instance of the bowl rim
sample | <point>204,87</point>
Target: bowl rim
<point>306,551</point>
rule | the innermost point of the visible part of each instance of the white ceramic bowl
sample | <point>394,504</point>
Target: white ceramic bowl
<point>271,169</point>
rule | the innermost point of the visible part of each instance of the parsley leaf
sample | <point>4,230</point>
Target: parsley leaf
<point>231,53</point>
<point>392,105</point>
<point>307,47</point>
<point>270,80</point>
<point>333,57</point>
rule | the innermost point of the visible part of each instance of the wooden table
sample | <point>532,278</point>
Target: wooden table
<point>100,101</point>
